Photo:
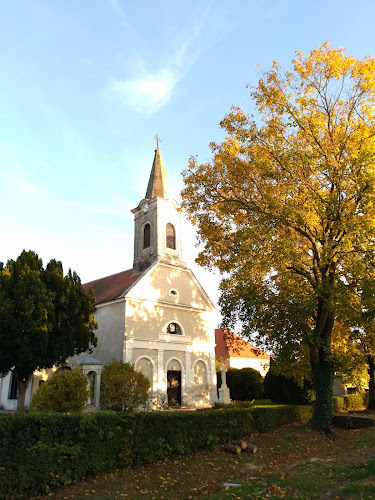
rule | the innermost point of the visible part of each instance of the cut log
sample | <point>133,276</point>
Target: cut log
<point>241,443</point>
<point>251,448</point>
<point>232,448</point>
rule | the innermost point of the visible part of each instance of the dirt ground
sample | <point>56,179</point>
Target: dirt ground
<point>290,455</point>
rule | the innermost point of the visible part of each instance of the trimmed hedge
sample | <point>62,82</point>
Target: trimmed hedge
<point>42,452</point>
<point>338,403</point>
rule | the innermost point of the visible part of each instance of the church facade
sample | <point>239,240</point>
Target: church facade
<point>156,315</point>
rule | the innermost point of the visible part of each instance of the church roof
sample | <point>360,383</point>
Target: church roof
<point>111,287</point>
<point>235,347</point>
<point>158,182</point>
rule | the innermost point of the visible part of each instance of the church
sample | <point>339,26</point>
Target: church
<point>155,315</point>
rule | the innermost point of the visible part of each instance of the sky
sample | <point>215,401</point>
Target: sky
<point>86,84</point>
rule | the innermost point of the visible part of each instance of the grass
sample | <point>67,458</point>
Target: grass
<point>292,463</point>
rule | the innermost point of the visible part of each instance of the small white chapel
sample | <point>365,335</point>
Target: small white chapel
<point>155,315</point>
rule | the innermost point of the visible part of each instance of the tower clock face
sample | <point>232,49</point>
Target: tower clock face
<point>145,208</point>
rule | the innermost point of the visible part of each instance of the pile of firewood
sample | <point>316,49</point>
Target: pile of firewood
<point>237,447</point>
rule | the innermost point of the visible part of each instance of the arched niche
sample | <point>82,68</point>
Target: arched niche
<point>200,374</point>
<point>145,366</point>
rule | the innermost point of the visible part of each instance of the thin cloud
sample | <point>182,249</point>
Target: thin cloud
<point>153,89</point>
<point>147,94</point>
<point>25,188</point>
<point>120,212</point>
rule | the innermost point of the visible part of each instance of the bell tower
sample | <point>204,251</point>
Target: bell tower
<point>157,222</point>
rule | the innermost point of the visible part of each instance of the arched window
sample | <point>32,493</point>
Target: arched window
<point>13,389</point>
<point>63,369</point>
<point>171,236</point>
<point>174,329</point>
<point>146,236</point>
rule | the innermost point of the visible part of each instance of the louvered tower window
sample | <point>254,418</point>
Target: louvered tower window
<point>171,236</point>
<point>146,236</point>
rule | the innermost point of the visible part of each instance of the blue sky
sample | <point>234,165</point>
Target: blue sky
<point>86,84</point>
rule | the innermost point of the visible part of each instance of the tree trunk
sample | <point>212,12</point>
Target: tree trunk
<point>371,384</point>
<point>323,374</point>
<point>322,369</point>
<point>23,384</point>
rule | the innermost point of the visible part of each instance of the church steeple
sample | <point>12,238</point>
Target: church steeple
<point>157,222</point>
<point>158,182</point>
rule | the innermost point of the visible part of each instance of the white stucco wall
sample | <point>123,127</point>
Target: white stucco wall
<point>261,365</point>
<point>111,331</point>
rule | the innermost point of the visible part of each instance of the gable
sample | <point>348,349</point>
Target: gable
<point>234,347</point>
<point>159,282</point>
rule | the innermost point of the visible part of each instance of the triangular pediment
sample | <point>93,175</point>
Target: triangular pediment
<point>172,285</point>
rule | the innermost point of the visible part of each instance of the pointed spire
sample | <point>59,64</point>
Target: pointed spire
<point>158,182</point>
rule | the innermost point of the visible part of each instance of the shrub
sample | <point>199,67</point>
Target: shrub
<point>64,392</point>
<point>295,394</point>
<point>122,387</point>
<point>355,401</point>
<point>282,389</point>
<point>338,403</point>
<point>246,384</point>
<point>350,402</point>
<point>229,376</point>
<point>273,387</point>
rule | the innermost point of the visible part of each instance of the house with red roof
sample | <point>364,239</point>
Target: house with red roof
<point>235,352</point>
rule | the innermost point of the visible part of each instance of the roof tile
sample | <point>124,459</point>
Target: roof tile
<point>111,287</point>
<point>235,347</point>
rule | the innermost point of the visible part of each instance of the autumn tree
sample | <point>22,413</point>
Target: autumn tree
<point>45,317</point>
<point>285,207</point>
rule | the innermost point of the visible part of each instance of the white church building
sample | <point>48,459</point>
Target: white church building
<point>156,314</point>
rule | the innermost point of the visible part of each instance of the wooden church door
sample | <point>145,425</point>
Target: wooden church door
<point>174,387</point>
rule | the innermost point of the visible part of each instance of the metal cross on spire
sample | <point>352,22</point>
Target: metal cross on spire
<point>157,138</point>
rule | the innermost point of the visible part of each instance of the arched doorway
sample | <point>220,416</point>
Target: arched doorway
<point>174,383</point>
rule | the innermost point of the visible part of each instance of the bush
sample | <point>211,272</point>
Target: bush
<point>246,384</point>
<point>229,376</point>
<point>295,394</point>
<point>338,403</point>
<point>41,452</point>
<point>355,401</point>
<point>64,392</point>
<point>273,387</point>
<point>282,389</point>
<point>122,387</point>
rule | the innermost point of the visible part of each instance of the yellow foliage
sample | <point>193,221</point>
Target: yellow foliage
<point>292,196</point>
